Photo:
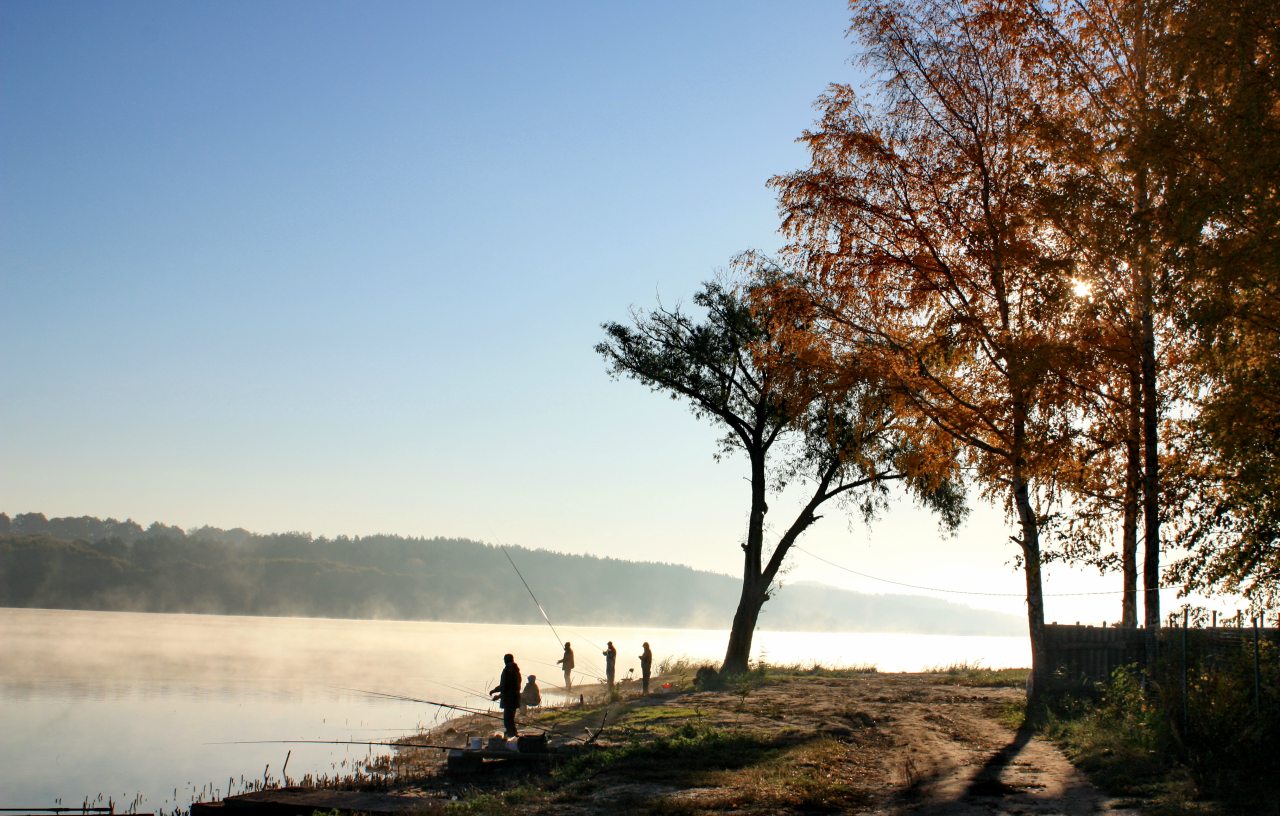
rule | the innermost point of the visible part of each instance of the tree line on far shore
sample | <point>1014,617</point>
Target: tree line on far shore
<point>90,563</point>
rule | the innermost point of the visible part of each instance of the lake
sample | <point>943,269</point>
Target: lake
<point>140,709</point>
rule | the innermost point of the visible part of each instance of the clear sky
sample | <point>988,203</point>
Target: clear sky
<point>339,267</point>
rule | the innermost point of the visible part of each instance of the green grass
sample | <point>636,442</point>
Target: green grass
<point>678,756</point>
<point>974,674</point>
<point>502,803</point>
<point>655,714</point>
<point>815,669</point>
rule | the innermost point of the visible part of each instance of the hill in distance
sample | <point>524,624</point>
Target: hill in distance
<point>89,563</point>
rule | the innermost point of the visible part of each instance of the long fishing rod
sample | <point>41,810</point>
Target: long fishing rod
<point>468,691</point>
<point>463,709</point>
<point>334,742</point>
<point>598,677</point>
<point>531,595</point>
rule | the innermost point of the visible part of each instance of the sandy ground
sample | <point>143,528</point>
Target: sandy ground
<point>908,744</point>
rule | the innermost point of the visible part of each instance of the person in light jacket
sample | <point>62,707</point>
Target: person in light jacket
<point>610,663</point>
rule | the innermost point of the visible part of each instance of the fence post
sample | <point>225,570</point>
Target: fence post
<point>1257,672</point>
<point>1184,673</point>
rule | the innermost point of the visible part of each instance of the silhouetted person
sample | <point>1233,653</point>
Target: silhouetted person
<point>507,693</point>
<point>610,663</point>
<point>567,662</point>
<point>646,663</point>
<point>531,695</point>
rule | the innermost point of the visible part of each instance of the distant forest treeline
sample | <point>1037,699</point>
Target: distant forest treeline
<point>88,563</point>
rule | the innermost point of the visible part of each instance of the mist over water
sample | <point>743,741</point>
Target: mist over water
<point>133,704</point>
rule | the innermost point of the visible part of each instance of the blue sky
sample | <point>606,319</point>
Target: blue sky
<point>339,267</point>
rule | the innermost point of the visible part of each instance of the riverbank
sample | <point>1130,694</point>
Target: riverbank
<point>776,742</point>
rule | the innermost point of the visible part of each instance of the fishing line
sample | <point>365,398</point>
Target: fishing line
<point>960,591</point>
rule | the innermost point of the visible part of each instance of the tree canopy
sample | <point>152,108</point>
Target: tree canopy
<point>750,366</point>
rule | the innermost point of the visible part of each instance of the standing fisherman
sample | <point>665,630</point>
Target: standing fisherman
<point>507,693</point>
<point>646,663</point>
<point>610,663</point>
<point>567,661</point>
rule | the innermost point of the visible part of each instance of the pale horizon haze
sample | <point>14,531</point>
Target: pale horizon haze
<point>339,268</point>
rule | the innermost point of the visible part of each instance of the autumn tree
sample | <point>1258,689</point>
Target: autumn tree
<point>1102,91</point>
<point>1221,219</point>
<point>751,367</point>
<point>915,221</point>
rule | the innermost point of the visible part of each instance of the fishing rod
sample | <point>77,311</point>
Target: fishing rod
<point>531,595</point>
<point>334,742</point>
<point>599,677</point>
<point>468,691</point>
<point>463,709</point>
<point>596,677</point>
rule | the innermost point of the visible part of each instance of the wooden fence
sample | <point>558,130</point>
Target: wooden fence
<point>1093,652</point>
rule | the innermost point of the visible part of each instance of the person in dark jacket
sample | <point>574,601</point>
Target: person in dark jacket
<point>610,663</point>
<point>530,696</point>
<point>567,662</point>
<point>646,664</point>
<point>507,693</point>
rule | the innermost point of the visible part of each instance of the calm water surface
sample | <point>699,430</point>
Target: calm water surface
<point>138,707</point>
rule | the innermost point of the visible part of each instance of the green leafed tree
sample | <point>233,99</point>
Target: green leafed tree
<point>749,364</point>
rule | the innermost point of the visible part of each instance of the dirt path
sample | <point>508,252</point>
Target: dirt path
<point>895,744</point>
<point>951,756</point>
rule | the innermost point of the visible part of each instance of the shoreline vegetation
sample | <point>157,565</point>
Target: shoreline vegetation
<point>107,565</point>
<point>793,739</point>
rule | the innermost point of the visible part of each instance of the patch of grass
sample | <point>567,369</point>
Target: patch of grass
<point>812,776</point>
<point>816,670</point>
<point>1012,714</point>
<point>554,716</point>
<point>495,804</point>
<point>679,756</point>
<point>1120,738</point>
<point>653,714</point>
<point>975,674</point>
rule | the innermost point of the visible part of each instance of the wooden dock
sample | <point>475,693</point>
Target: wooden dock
<point>305,801</point>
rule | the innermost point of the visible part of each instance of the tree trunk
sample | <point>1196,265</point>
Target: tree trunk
<point>1132,494</point>
<point>1035,590</point>
<point>1146,313</point>
<point>1151,466</point>
<point>738,654</point>
<point>1030,556</point>
<point>754,588</point>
